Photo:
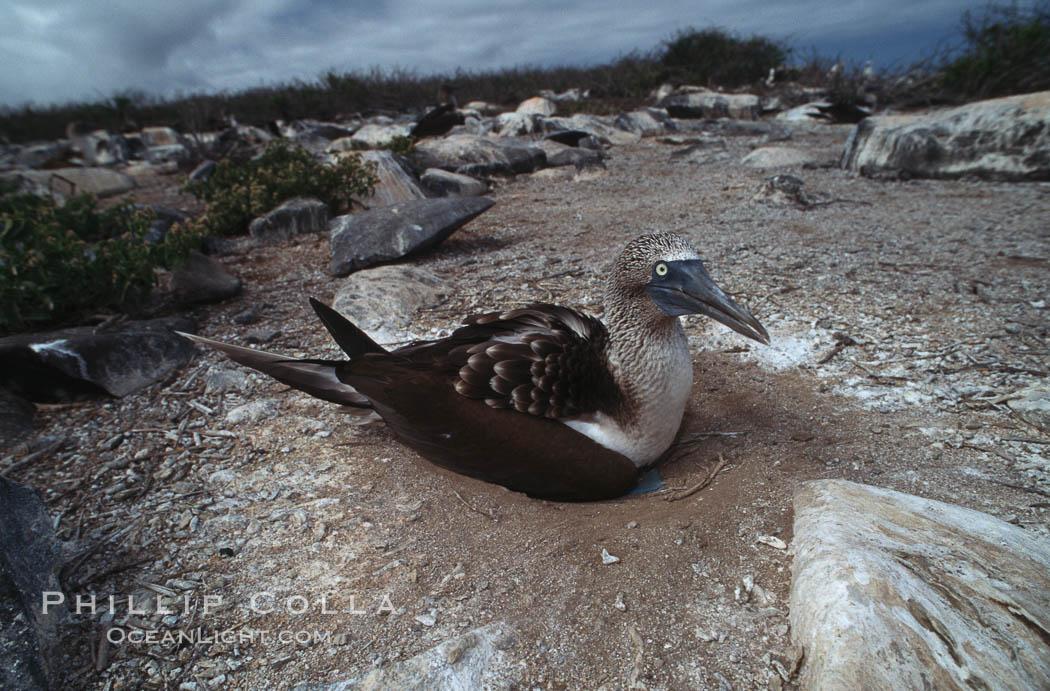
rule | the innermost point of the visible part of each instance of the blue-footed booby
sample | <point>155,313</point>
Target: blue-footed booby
<point>543,399</point>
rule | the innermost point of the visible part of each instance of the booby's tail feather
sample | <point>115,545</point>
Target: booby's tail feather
<point>319,378</point>
<point>351,339</point>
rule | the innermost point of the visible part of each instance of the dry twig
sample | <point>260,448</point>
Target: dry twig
<point>703,483</point>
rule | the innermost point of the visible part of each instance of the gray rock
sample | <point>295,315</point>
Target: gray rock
<point>600,127</point>
<point>220,380</point>
<point>81,362</point>
<point>577,157</point>
<point>692,102</point>
<point>366,238</point>
<point>255,410</point>
<point>537,105</point>
<point>517,124</point>
<point>385,300</point>
<point>646,122</point>
<point>479,659</point>
<point>373,135</point>
<point>1002,139</point>
<point>442,183</point>
<point>892,591</point>
<point>771,131</point>
<point>97,148</point>
<point>475,155</point>
<point>783,190</point>
<point>203,171</point>
<point>63,183</point>
<point>16,418</point>
<point>777,157</point>
<point>294,217</point>
<point>41,155</point>
<point>174,153</point>
<point>396,182</point>
<point>30,559</point>
<point>1033,406</point>
<point>161,136</point>
<point>202,279</point>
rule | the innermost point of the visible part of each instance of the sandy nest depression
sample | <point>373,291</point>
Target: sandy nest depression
<point>902,314</point>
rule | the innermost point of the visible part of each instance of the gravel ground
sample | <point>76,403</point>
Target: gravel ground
<point>903,315</point>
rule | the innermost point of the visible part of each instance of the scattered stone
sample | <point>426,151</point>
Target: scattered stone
<point>30,559</point>
<point>1032,405</point>
<point>783,190</point>
<point>475,155</point>
<point>220,380</point>
<point>426,619</point>
<point>771,540</point>
<point>1002,139</point>
<point>366,238</point>
<point>891,590</point>
<point>82,362</point>
<point>202,280</point>
<point>576,157</point>
<point>373,136</point>
<point>257,336</point>
<point>396,182</point>
<point>384,301</point>
<point>517,124</point>
<point>602,128</point>
<point>608,558</point>
<point>160,136</point>
<point>479,659</point>
<point>203,171</point>
<point>537,105</point>
<point>63,183</point>
<point>693,102</point>
<point>253,411</point>
<point>442,183</point>
<point>647,122</point>
<point>248,316</point>
<point>294,217</point>
<point>777,157</point>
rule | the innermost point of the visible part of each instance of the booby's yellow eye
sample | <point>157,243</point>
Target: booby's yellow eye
<point>660,269</point>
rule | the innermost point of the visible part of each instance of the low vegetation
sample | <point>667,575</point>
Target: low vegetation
<point>59,263</point>
<point>236,193</point>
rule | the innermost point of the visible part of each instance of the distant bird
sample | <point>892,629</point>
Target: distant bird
<point>771,78</point>
<point>543,399</point>
<point>441,119</point>
<point>869,71</point>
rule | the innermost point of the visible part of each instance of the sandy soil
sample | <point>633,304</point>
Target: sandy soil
<point>939,288</point>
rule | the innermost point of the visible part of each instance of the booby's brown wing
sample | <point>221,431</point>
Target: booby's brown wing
<point>543,360</point>
<point>536,455</point>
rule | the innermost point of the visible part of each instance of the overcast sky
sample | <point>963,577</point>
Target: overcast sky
<point>58,51</point>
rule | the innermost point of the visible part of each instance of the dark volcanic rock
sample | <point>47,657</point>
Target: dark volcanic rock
<point>442,183</point>
<point>30,558</point>
<point>370,237</point>
<point>82,362</point>
<point>202,279</point>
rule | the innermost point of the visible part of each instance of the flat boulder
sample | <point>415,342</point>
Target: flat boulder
<point>365,238</point>
<point>1032,404</point>
<point>893,591</point>
<point>692,102</point>
<point>396,184</point>
<point>443,183</point>
<point>64,183</point>
<point>537,105</point>
<point>479,156</point>
<point>647,122</point>
<point>778,157</point>
<point>1001,139</point>
<point>375,135</point>
<point>296,216</point>
<point>84,362</point>
<point>203,280</point>
<point>385,300</point>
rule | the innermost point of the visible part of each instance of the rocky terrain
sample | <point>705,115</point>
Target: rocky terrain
<point>907,317</point>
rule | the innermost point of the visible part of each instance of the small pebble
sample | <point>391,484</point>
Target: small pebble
<point>608,558</point>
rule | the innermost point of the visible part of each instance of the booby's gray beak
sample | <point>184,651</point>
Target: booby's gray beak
<point>684,287</point>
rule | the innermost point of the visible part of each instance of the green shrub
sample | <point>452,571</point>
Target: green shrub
<point>236,193</point>
<point>713,56</point>
<point>61,262</point>
<point>1006,51</point>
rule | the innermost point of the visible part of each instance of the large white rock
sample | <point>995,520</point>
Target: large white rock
<point>375,135</point>
<point>777,157</point>
<point>698,102</point>
<point>893,591</point>
<point>538,105</point>
<point>385,301</point>
<point>1003,139</point>
<point>395,184</point>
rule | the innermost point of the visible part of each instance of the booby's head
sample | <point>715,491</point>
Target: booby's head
<point>661,274</point>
